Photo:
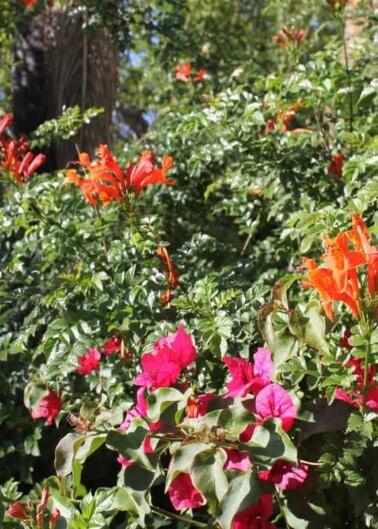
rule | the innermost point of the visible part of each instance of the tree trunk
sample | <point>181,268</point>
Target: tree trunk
<point>60,65</point>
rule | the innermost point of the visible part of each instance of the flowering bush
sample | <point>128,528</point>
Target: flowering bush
<point>194,341</point>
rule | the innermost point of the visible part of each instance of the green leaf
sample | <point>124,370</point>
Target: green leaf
<point>282,343</point>
<point>182,459</point>
<point>65,453</point>
<point>270,443</point>
<point>310,326</point>
<point>131,444</point>
<point>242,492</point>
<point>208,476</point>
<point>163,398</point>
<point>139,478</point>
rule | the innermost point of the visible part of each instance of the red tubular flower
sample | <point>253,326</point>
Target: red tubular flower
<point>144,173</point>
<point>200,75</point>
<point>106,180</point>
<point>335,168</point>
<point>343,263</point>
<point>29,3</point>
<point>54,516</point>
<point>287,38</point>
<point>339,280</point>
<point>173,282</point>
<point>323,281</point>
<point>183,72</point>
<point>15,157</point>
<point>361,237</point>
<point>5,122</point>
<point>48,408</point>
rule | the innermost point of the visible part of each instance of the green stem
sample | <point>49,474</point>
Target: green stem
<point>178,518</point>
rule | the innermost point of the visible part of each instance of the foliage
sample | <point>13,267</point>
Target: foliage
<point>188,326</point>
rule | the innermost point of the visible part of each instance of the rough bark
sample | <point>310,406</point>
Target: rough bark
<point>57,65</point>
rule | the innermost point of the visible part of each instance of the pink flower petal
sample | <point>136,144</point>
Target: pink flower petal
<point>237,460</point>
<point>274,401</point>
<point>180,346</point>
<point>183,494</point>
<point>263,364</point>
<point>48,408</point>
<point>285,476</point>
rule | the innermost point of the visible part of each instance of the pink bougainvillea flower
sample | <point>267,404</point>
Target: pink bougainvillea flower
<point>335,167</point>
<point>18,510</point>
<point>89,362</point>
<point>139,410</point>
<point>257,516</point>
<point>242,376</point>
<point>171,354</point>
<point>263,365</point>
<point>183,72</point>
<point>173,282</point>
<point>159,370</point>
<point>124,462</point>
<point>183,493</point>
<point>112,345</point>
<point>344,340</point>
<point>145,173</point>
<point>372,399</point>
<point>274,401</point>
<point>246,377</point>
<point>237,460</point>
<point>48,408</point>
<point>355,397</point>
<point>179,345</point>
<point>285,475</point>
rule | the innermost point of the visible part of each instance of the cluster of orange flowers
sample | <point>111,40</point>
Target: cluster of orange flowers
<point>338,280</point>
<point>184,73</point>
<point>106,181</point>
<point>290,37</point>
<point>15,157</point>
